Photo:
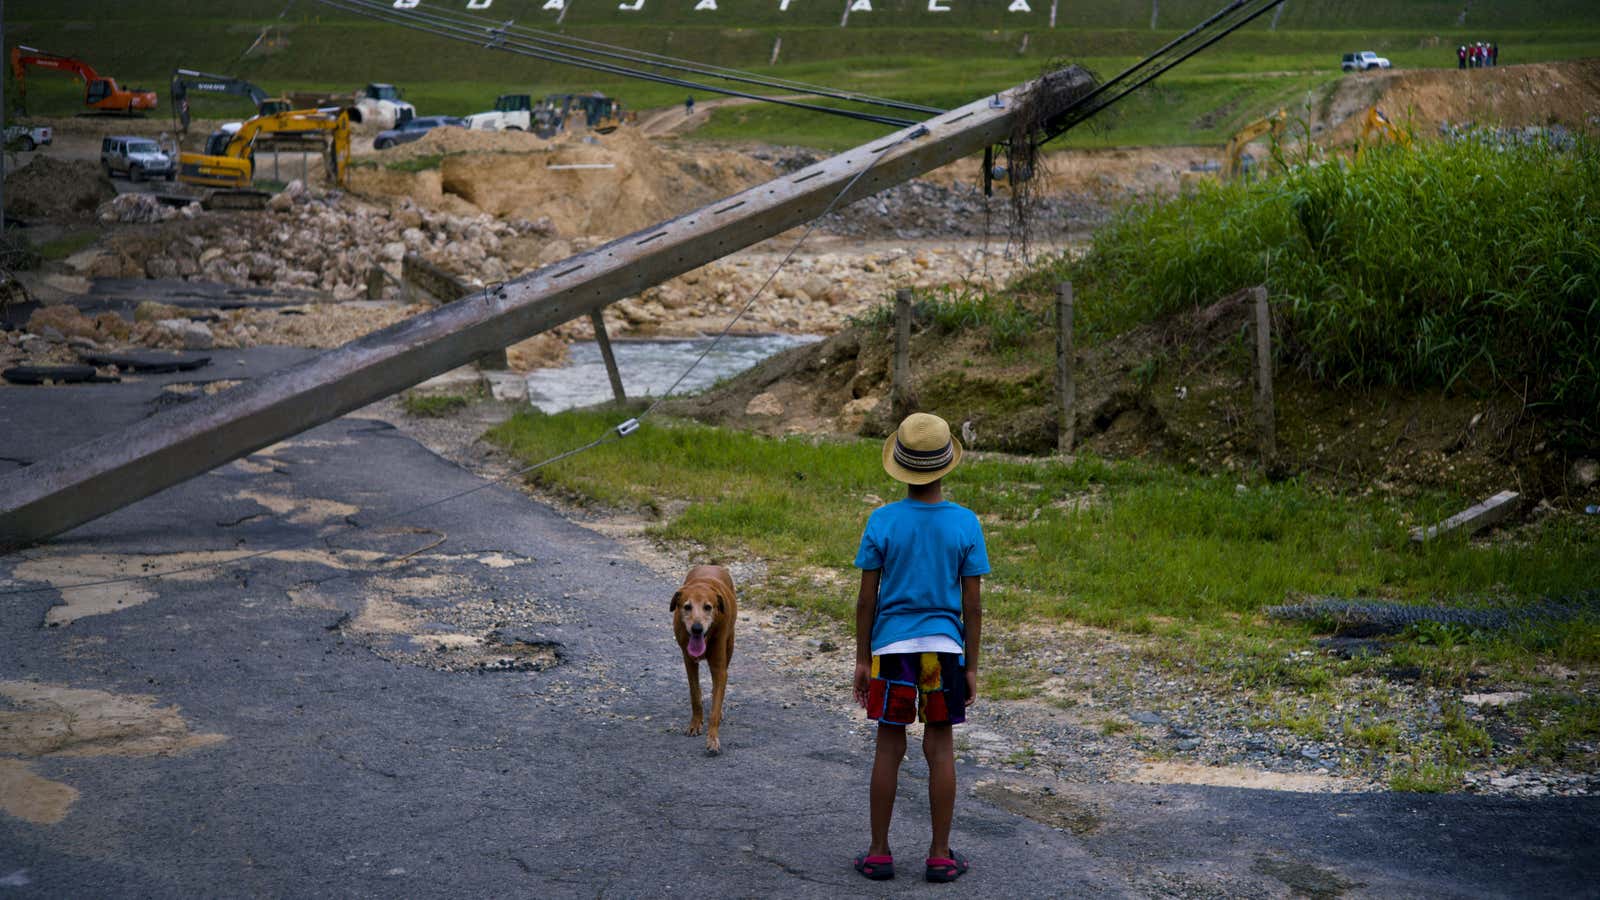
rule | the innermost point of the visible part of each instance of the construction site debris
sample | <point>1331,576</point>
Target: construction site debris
<point>134,209</point>
<point>52,188</point>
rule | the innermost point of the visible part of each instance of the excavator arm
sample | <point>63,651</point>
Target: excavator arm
<point>233,166</point>
<point>186,80</point>
<point>1234,154</point>
<point>99,92</point>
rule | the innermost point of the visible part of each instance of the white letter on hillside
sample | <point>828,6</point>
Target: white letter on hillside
<point>479,4</point>
<point>1020,6</point>
<point>783,5</point>
<point>938,6</point>
<point>635,7</point>
<point>706,4</point>
<point>861,6</point>
<point>555,4</point>
<point>406,4</point>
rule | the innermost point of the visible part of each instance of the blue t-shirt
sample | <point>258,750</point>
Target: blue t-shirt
<point>924,549</point>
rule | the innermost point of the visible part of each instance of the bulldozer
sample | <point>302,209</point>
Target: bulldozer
<point>601,114</point>
<point>227,166</point>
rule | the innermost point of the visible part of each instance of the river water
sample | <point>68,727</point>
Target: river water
<point>650,367</point>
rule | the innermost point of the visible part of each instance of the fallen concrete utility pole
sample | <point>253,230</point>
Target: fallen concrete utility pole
<point>103,475</point>
<point>1474,518</point>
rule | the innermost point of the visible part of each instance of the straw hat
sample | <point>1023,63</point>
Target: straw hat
<point>921,450</point>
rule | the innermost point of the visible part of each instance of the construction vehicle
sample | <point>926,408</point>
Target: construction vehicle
<point>1233,154</point>
<point>228,164</point>
<point>186,80</point>
<point>1376,128</point>
<point>512,112</point>
<point>100,93</point>
<point>383,105</point>
<point>600,113</point>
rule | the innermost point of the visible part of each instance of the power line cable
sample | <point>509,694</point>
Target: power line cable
<point>444,27</point>
<point>615,433</point>
<point>645,57</point>
<point>1236,15</point>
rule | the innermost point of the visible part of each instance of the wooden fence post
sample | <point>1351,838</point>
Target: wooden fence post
<point>604,340</point>
<point>1266,427</point>
<point>902,399</point>
<point>1066,378</point>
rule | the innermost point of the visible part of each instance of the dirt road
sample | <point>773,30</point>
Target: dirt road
<point>484,698</point>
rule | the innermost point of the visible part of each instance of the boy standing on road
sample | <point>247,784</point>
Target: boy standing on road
<point>918,623</point>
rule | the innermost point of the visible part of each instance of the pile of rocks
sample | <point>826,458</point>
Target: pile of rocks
<point>927,209</point>
<point>329,242</point>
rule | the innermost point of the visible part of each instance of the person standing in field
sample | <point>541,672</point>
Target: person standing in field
<point>1461,56</point>
<point>919,618</point>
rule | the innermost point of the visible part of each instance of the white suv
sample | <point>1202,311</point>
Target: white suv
<point>137,157</point>
<point>1361,62</point>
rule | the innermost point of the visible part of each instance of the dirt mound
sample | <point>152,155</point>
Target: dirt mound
<point>1179,390</point>
<point>592,186</point>
<point>51,188</point>
<point>1566,94</point>
<point>460,140</point>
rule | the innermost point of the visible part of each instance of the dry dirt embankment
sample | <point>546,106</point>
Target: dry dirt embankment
<point>1536,94</point>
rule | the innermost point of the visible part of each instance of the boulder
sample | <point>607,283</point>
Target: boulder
<point>67,321</point>
<point>854,415</point>
<point>764,404</point>
<point>542,351</point>
<point>188,335</point>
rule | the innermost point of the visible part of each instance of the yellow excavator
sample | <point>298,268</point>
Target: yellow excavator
<point>228,164</point>
<point>1376,128</point>
<point>1233,155</point>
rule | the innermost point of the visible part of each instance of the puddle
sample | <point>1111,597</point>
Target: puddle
<point>650,367</point>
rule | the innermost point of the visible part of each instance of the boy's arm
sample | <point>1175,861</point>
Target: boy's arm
<point>866,611</point>
<point>972,624</point>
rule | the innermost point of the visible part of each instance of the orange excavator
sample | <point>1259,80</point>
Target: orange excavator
<point>100,93</point>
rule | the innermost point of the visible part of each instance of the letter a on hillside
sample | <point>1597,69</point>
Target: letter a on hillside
<point>1020,6</point>
<point>861,6</point>
<point>555,4</point>
<point>635,6</point>
<point>706,4</point>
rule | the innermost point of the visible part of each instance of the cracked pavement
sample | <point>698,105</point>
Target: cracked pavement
<point>370,747</point>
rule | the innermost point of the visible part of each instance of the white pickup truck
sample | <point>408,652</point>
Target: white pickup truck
<point>1361,62</point>
<point>27,137</point>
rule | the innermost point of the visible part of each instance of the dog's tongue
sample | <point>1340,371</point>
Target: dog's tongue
<point>697,645</point>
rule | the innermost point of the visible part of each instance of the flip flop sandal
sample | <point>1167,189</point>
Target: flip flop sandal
<point>877,868</point>
<point>942,869</point>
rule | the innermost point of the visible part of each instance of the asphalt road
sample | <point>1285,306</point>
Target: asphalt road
<point>372,742</point>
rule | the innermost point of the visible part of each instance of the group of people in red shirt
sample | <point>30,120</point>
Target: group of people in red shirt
<point>1477,55</point>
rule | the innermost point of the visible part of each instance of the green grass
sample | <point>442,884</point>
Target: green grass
<point>1155,543</point>
<point>416,163</point>
<point>66,245</point>
<point>1399,269</point>
<point>1425,777</point>
<point>943,60</point>
<point>433,406</point>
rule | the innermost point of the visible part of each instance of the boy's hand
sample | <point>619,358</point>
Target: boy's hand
<point>972,687</point>
<point>863,676</point>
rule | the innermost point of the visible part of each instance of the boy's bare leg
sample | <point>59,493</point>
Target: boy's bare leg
<point>939,746</point>
<point>885,778</point>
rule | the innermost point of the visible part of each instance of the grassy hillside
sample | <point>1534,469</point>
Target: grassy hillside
<point>900,50</point>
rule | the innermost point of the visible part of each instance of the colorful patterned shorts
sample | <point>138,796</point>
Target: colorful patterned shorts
<point>917,687</point>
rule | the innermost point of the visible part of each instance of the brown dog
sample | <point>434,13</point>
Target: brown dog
<point>703,613</point>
